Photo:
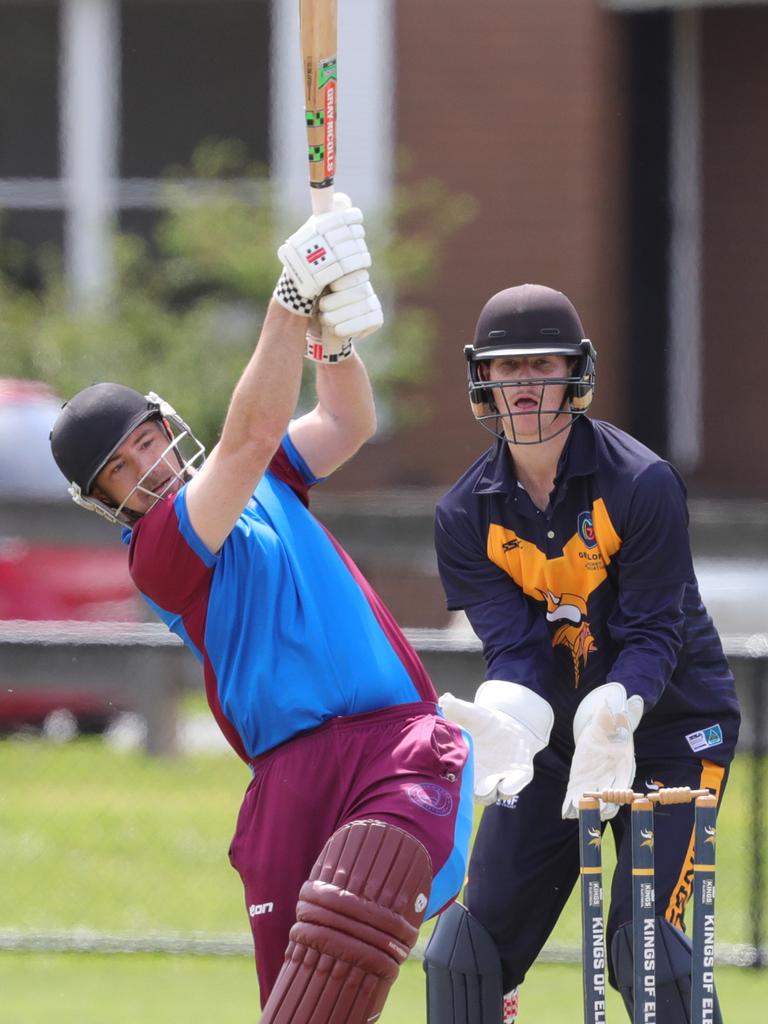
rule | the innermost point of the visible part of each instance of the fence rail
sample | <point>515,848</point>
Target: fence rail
<point>143,667</point>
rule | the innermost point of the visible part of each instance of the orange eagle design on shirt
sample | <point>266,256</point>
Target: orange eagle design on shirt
<point>563,583</point>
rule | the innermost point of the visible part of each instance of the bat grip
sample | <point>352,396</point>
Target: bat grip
<point>322,199</point>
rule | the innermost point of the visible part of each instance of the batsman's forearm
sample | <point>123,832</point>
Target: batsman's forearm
<point>266,394</point>
<point>344,394</point>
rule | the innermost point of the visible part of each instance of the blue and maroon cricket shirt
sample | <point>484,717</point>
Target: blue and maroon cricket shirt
<point>289,632</point>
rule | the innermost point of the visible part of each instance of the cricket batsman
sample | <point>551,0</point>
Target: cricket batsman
<point>356,824</point>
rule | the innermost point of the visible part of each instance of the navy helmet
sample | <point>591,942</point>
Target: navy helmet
<point>93,424</point>
<point>529,320</point>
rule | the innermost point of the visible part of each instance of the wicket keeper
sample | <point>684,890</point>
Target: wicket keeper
<point>567,546</point>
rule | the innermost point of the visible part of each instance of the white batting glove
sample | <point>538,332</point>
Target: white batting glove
<point>348,312</point>
<point>509,724</point>
<point>604,757</point>
<point>351,308</point>
<point>325,248</point>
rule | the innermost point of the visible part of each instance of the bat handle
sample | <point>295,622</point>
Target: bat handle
<point>322,199</point>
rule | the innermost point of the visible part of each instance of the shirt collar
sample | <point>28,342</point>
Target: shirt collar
<point>578,458</point>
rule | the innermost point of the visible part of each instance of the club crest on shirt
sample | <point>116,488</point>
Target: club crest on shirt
<point>586,530</point>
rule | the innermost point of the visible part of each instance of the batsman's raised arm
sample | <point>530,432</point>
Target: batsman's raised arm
<point>343,419</point>
<point>328,250</point>
<point>259,411</point>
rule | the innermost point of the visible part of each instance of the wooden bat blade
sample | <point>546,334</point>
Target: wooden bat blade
<point>318,51</point>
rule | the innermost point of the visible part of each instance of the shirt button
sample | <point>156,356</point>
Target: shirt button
<point>551,534</point>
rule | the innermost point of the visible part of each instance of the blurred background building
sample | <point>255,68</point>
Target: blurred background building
<point>615,149</point>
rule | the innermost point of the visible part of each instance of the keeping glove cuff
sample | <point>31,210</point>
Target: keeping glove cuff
<point>522,704</point>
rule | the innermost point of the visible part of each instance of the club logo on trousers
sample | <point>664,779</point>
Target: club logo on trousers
<point>430,797</point>
<point>711,736</point>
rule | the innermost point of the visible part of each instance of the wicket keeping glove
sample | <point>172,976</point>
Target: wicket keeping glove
<point>509,724</point>
<point>349,311</point>
<point>325,248</point>
<point>604,757</point>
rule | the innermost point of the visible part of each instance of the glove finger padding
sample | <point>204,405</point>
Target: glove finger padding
<point>341,201</point>
<point>604,758</point>
<point>324,248</point>
<point>351,311</point>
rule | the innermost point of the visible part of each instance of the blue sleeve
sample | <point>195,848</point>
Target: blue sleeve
<point>297,461</point>
<point>653,565</point>
<point>289,466</point>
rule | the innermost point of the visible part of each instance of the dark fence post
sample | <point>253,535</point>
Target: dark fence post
<point>759,702</point>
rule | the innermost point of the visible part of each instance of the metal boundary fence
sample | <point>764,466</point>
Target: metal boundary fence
<point>154,670</point>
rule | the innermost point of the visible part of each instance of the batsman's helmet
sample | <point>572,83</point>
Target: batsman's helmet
<point>529,320</point>
<point>93,424</point>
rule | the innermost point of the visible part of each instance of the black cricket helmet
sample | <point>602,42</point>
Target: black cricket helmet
<point>95,422</point>
<point>529,320</point>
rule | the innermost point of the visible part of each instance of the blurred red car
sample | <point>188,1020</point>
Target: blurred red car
<point>46,575</point>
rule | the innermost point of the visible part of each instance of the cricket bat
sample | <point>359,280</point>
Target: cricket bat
<point>318,54</point>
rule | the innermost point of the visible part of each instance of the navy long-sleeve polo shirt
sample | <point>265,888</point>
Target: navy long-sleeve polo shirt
<point>598,587</point>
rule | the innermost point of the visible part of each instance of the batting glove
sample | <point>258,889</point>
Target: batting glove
<point>509,724</point>
<point>604,757</point>
<point>325,248</point>
<point>349,311</point>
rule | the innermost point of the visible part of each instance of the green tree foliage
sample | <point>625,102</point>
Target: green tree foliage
<point>185,308</point>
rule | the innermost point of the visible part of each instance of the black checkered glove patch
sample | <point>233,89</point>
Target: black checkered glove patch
<point>288,295</point>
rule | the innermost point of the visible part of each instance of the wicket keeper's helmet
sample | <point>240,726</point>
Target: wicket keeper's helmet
<point>529,320</point>
<point>92,426</point>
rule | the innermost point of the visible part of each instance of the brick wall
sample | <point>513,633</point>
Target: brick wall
<point>520,105</point>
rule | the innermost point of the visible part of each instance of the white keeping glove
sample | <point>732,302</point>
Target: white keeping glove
<point>325,248</point>
<point>350,310</point>
<point>604,757</point>
<point>509,724</point>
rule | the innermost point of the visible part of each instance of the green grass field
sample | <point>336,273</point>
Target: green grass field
<point>92,989</point>
<point>123,844</point>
